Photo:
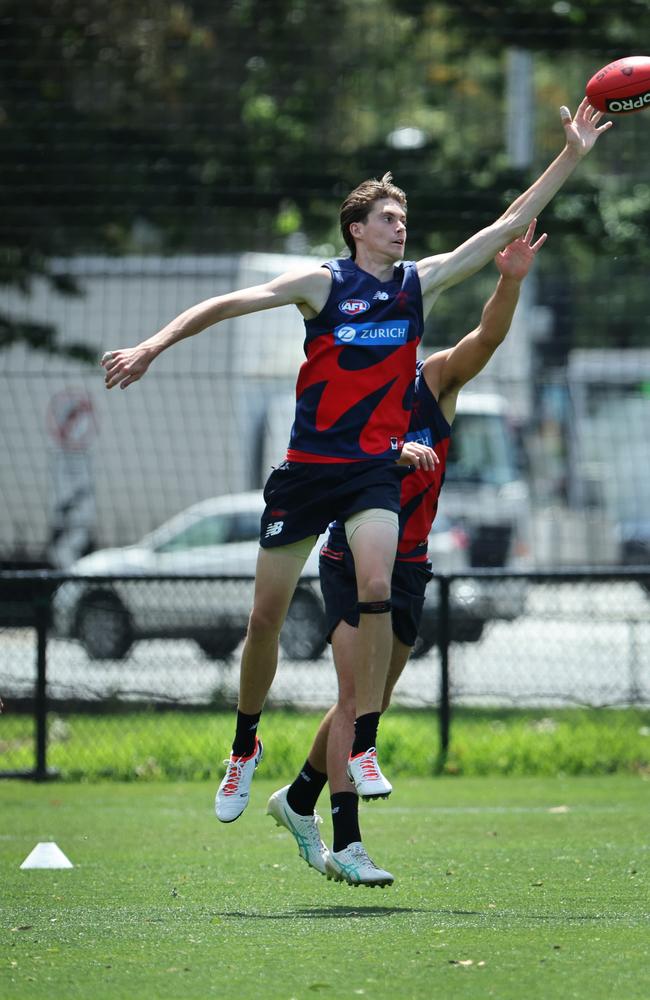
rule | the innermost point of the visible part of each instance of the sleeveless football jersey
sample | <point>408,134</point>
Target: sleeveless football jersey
<point>354,392</point>
<point>420,488</point>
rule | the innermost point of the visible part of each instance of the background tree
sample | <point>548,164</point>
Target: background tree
<point>195,127</point>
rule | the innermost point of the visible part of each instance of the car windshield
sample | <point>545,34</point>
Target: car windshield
<point>215,529</point>
<point>482,450</point>
<point>201,532</point>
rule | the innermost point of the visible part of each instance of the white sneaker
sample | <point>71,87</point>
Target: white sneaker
<point>233,792</point>
<point>352,865</point>
<point>303,828</point>
<point>363,771</point>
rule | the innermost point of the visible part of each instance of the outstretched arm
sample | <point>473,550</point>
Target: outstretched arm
<point>443,270</point>
<point>446,372</point>
<point>308,290</point>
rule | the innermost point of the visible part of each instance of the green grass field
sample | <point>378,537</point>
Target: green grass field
<point>506,887</point>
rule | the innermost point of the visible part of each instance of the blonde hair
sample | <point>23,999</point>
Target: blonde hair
<point>359,202</point>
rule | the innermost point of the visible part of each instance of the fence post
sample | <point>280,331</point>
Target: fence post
<point>42,619</point>
<point>444,631</point>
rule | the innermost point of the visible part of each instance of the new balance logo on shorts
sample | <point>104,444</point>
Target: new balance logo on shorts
<point>274,528</point>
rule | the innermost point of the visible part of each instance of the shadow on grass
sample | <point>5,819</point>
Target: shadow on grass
<point>335,912</point>
<point>331,912</point>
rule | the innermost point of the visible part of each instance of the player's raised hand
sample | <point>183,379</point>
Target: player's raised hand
<point>124,366</point>
<point>583,129</point>
<point>516,260</point>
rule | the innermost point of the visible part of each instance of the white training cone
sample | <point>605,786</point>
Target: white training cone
<point>47,855</point>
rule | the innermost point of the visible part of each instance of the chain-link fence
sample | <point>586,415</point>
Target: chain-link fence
<point>158,154</point>
<point>486,640</point>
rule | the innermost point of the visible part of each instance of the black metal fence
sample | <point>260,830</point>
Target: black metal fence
<point>91,645</point>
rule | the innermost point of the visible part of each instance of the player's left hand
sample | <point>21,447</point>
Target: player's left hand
<point>582,131</point>
<point>419,455</point>
<point>516,260</point>
<point>124,366</point>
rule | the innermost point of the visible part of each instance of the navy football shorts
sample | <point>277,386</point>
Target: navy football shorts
<point>302,498</point>
<point>339,589</point>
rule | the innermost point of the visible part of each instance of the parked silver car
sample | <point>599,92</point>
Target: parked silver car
<point>119,598</point>
<point>217,539</point>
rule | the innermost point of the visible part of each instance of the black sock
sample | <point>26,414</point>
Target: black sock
<point>305,789</point>
<point>365,732</point>
<point>345,819</point>
<point>244,742</point>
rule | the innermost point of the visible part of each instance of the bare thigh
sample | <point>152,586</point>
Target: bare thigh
<point>374,546</point>
<point>276,577</point>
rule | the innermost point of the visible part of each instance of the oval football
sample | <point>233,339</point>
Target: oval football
<point>622,86</point>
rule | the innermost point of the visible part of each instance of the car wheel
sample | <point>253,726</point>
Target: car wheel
<point>219,645</point>
<point>104,627</point>
<point>423,644</point>
<point>462,630</point>
<point>469,630</point>
<point>303,633</point>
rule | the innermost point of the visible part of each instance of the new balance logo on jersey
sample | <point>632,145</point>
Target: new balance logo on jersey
<point>274,528</point>
<point>382,296</point>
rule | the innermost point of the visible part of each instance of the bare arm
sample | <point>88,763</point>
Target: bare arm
<point>446,372</point>
<point>307,290</point>
<point>443,270</point>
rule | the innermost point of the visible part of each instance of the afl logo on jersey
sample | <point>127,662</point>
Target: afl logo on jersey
<point>352,307</point>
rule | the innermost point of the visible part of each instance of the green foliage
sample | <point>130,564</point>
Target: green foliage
<point>41,337</point>
<point>181,745</point>
<point>551,28</point>
<point>568,741</point>
<point>197,127</point>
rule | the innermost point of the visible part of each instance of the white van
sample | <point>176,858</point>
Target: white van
<point>485,489</point>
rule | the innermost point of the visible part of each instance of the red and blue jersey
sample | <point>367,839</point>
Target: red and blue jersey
<point>420,488</point>
<point>355,390</point>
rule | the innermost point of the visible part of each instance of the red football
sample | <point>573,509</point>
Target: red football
<point>622,86</point>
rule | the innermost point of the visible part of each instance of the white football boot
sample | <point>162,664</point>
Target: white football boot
<point>234,790</point>
<point>364,773</point>
<point>303,828</point>
<point>352,865</point>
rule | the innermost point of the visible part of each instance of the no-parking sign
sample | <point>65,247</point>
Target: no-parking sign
<point>71,419</point>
